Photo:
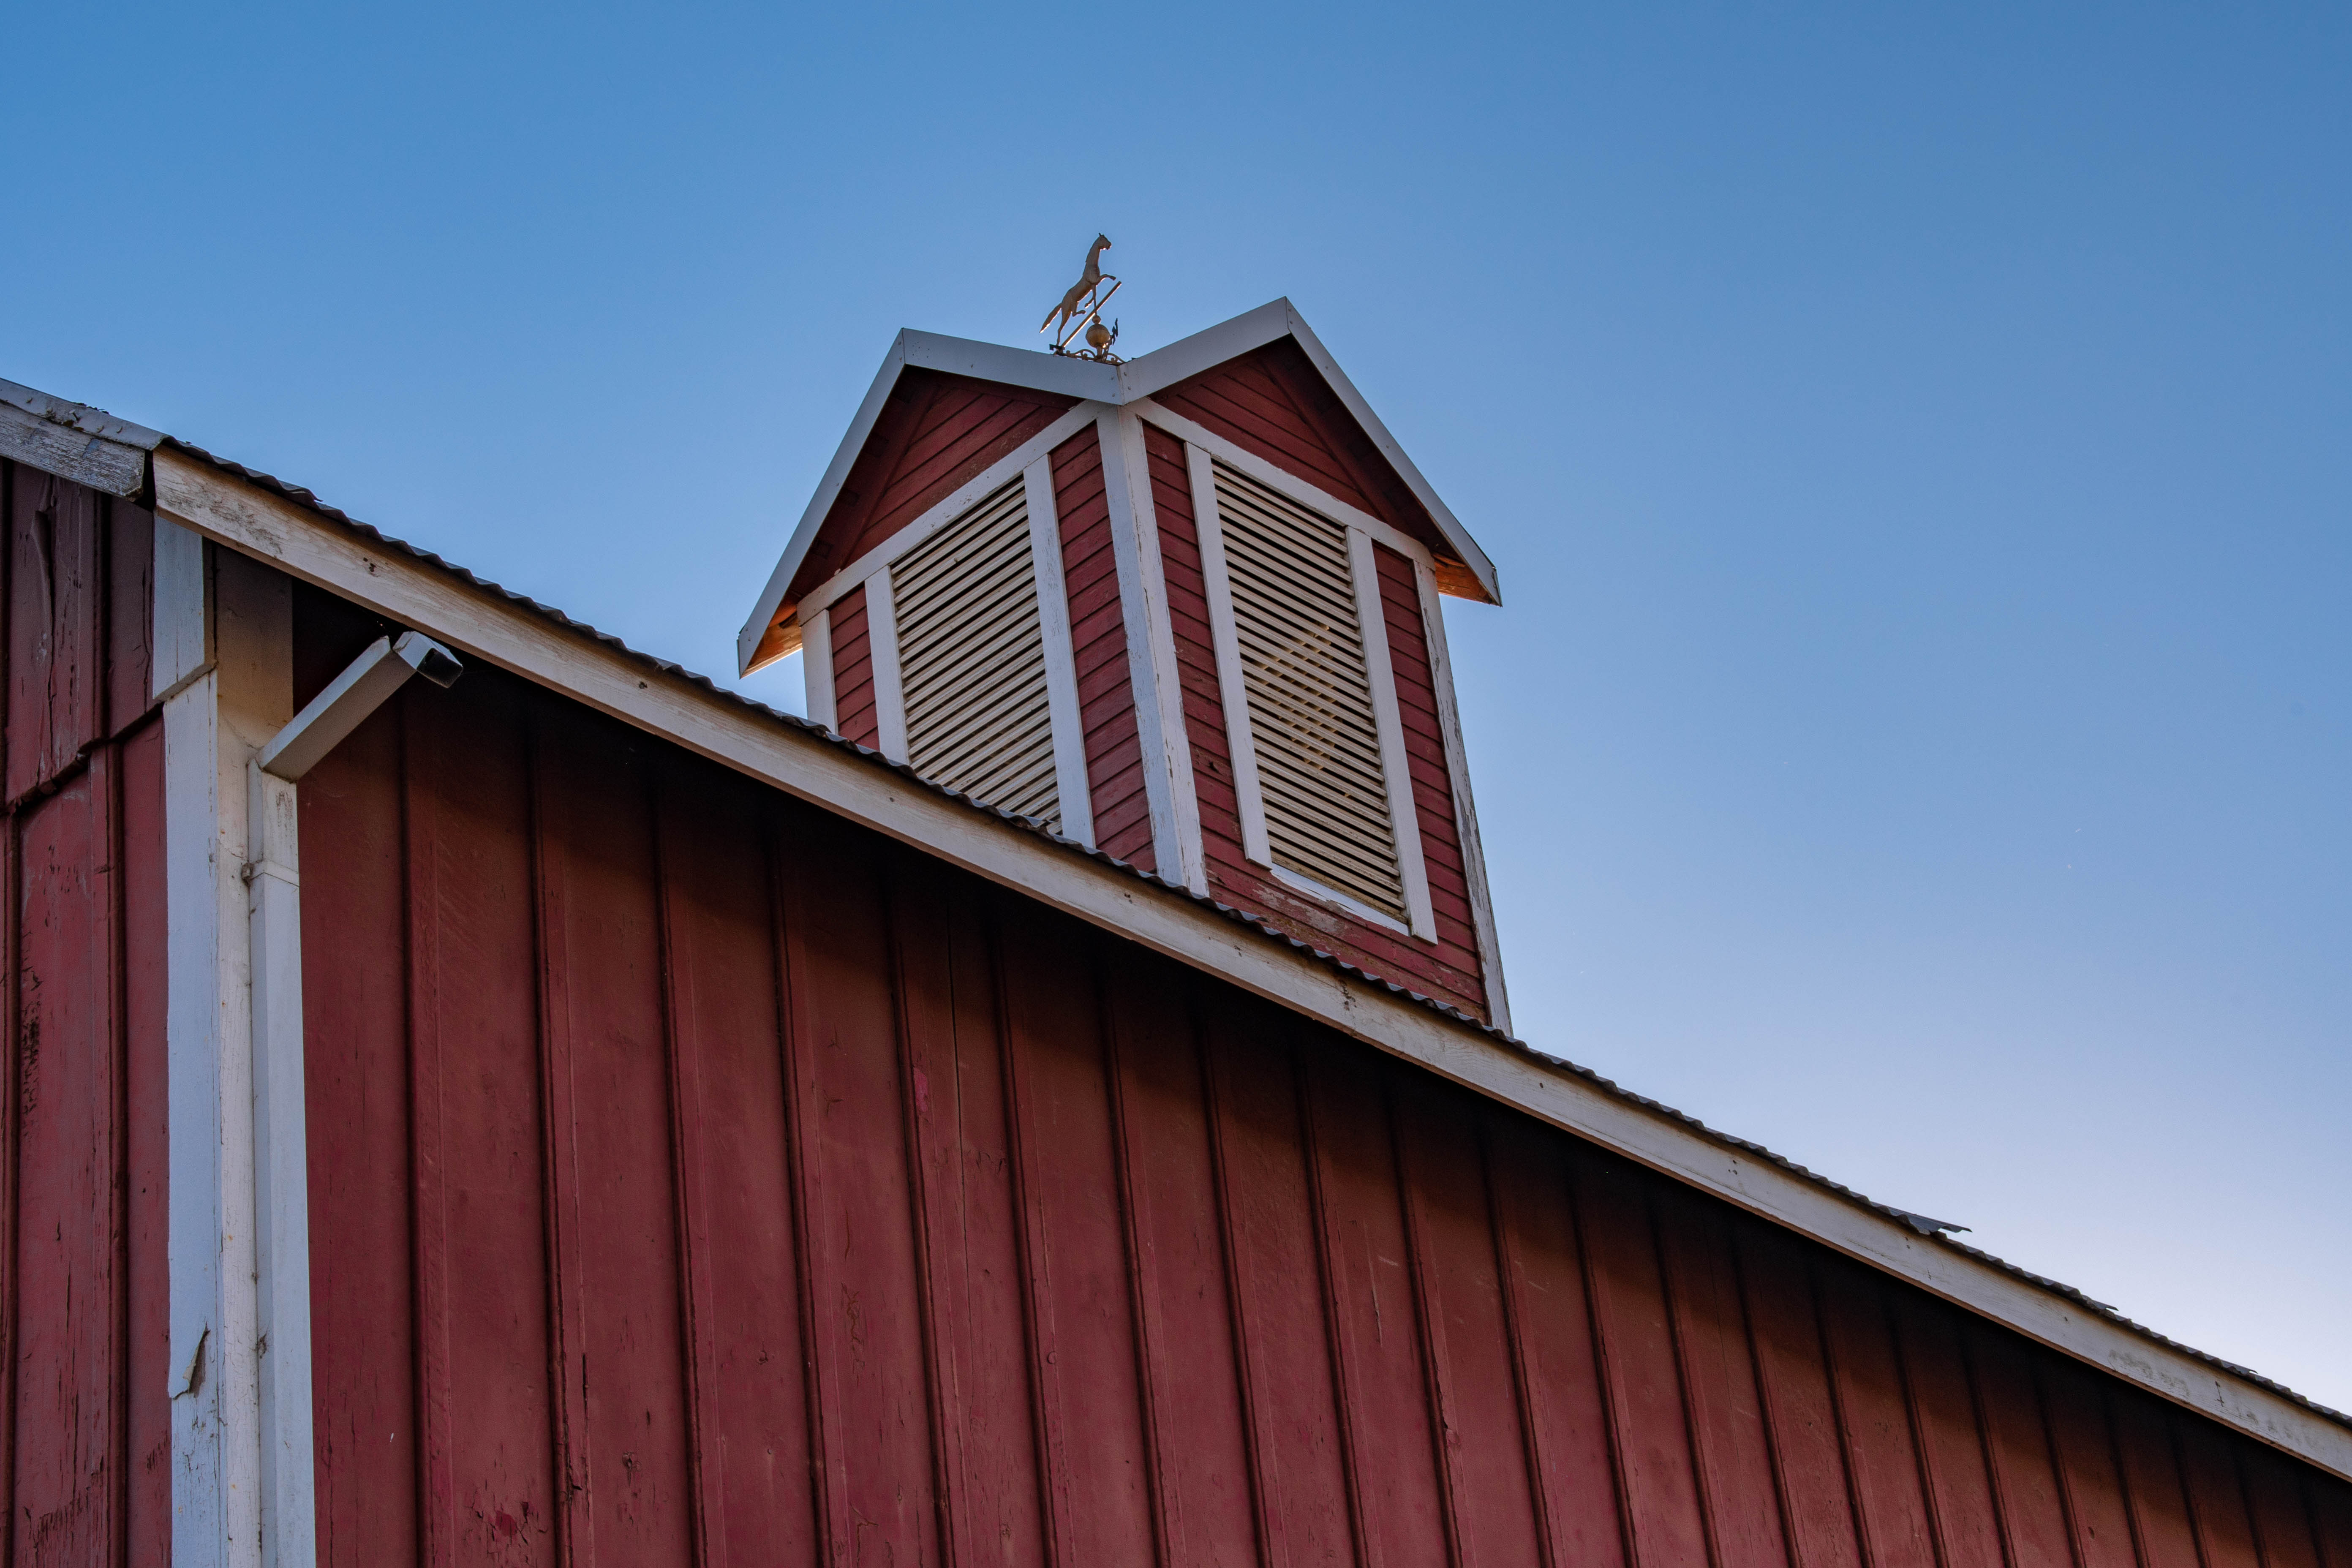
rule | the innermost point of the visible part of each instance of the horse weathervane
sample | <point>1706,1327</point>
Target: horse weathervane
<point>1080,311</point>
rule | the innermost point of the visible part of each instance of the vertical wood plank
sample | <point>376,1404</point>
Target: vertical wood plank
<point>1945,1423</point>
<point>1638,1362</point>
<point>1875,1419</point>
<point>2017,1441</point>
<point>2282,1525</point>
<point>56,675</point>
<point>2162,1528</point>
<point>2217,1499</point>
<point>753,1420</point>
<point>1551,1330</point>
<point>148,1423</point>
<point>1053,1012</point>
<point>1292,1405</point>
<point>1454,1250</point>
<point>65,1351</point>
<point>1725,1413</point>
<point>130,553</point>
<point>1205,1482</point>
<point>1808,1461</point>
<point>2088,1479</point>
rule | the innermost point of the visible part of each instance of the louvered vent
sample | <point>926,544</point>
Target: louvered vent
<point>972,659</point>
<point>1310,702</point>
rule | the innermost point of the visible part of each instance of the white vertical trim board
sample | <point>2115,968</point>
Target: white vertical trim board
<point>889,686</point>
<point>1061,659</point>
<point>282,1236</point>
<point>1249,803</point>
<point>182,635</point>
<point>1371,618</point>
<point>1151,653</point>
<point>817,670</point>
<point>1466,808</point>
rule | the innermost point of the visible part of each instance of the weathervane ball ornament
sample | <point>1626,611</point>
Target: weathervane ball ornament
<point>1080,311</point>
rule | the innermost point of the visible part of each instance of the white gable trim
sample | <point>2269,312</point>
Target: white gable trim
<point>889,687</point>
<point>1090,381</point>
<point>1074,799</point>
<point>1404,816</point>
<point>1278,479</point>
<point>822,701</point>
<point>1465,809</point>
<point>673,707</point>
<point>990,480</point>
<point>1249,800</point>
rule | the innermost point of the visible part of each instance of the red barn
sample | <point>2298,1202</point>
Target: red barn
<point>1057,1106</point>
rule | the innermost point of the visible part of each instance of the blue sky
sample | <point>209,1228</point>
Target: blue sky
<point>1917,443</point>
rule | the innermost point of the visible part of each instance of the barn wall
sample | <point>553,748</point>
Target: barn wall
<point>698,1178</point>
<point>84,1305</point>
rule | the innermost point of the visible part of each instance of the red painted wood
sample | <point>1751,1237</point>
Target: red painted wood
<point>57,615</point>
<point>2162,1527</point>
<point>71,1225</point>
<point>130,611</point>
<point>852,669</point>
<point>2330,1502</point>
<point>1945,1419</point>
<point>1800,1411</point>
<point>2090,1482</point>
<point>937,432</point>
<point>810,1201</point>
<point>1867,1377</point>
<point>1725,1413</point>
<point>148,1318</point>
<point>1449,970</point>
<point>1098,649</point>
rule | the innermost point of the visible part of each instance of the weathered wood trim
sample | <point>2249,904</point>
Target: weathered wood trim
<point>256,523</point>
<point>1466,808</point>
<point>1070,786</point>
<point>1404,816</point>
<point>1249,802</point>
<point>817,670</point>
<point>1152,654</point>
<point>101,461</point>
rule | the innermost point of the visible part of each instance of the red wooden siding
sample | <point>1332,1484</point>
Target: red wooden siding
<point>85,1471</point>
<point>1273,402</point>
<point>852,669</point>
<point>936,432</point>
<point>1449,970</point>
<point>700,1178</point>
<point>1099,645</point>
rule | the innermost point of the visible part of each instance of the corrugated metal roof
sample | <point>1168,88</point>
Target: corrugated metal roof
<point>96,422</point>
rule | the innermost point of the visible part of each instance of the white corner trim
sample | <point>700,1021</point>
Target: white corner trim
<point>1249,802</point>
<point>281,1151</point>
<point>180,635</point>
<point>1396,768</point>
<point>990,480</point>
<point>821,699</point>
<point>260,523</point>
<point>1074,797</point>
<point>1152,654</point>
<point>889,686</point>
<point>1283,479</point>
<point>1466,808</point>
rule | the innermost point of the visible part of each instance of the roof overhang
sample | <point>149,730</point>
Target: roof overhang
<point>482,621</point>
<point>762,640</point>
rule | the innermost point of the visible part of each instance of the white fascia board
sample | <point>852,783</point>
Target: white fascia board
<point>1091,380</point>
<point>1311,496</point>
<point>1447,523</point>
<point>1204,350</point>
<point>828,488</point>
<point>256,523</point>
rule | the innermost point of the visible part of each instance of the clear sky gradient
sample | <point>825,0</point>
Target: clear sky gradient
<point>1917,443</point>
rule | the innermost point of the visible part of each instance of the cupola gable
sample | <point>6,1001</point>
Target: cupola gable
<point>1184,611</point>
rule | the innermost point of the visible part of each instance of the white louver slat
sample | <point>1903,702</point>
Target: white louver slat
<point>1312,727</point>
<point>971,659</point>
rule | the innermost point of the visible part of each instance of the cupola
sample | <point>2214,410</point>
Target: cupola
<point>1183,610</point>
